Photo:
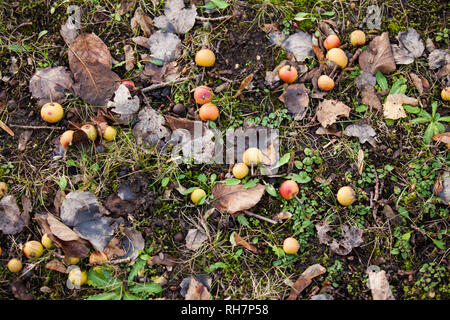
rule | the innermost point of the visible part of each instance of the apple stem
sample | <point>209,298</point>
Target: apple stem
<point>298,199</point>
<point>251,168</point>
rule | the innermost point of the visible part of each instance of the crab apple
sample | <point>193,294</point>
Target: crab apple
<point>52,112</point>
<point>72,260</point>
<point>129,84</point>
<point>332,41</point>
<point>208,111</point>
<point>445,94</point>
<point>289,189</point>
<point>66,138</point>
<point>288,74</point>
<point>33,249</point>
<point>14,265</point>
<point>197,194</point>
<point>110,133</point>
<point>3,189</point>
<point>338,56</point>
<point>325,83</point>
<point>252,156</point>
<point>205,58</point>
<point>203,94</point>
<point>97,257</point>
<point>346,196</point>
<point>90,131</point>
<point>240,170</point>
<point>78,277</point>
<point>357,38</point>
<point>290,246</point>
<point>46,241</point>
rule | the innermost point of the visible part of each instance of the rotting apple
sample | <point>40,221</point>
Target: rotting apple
<point>110,133</point>
<point>332,41</point>
<point>129,84</point>
<point>52,112</point>
<point>14,265</point>
<point>208,111</point>
<point>325,83</point>
<point>46,241</point>
<point>3,188</point>
<point>358,38</point>
<point>338,56</point>
<point>66,138</point>
<point>289,189</point>
<point>252,156</point>
<point>203,94</point>
<point>179,109</point>
<point>197,195</point>
<point>288,73</point>
<point>290,246</point>
<point>346,196</point>
<point>90,131</point>
<point>77,277</point>
<point>240,170</point>
<point>33,249</point>
<point>97,257</point>
<point>205,58</point>
<point>445,94</point>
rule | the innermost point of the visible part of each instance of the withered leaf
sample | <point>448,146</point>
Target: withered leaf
<point>370,98</point>
<point>114,249</point>
<point>143,21</point>
<point>164,45</point>
<point>393,106</point>
<point>300,44</point>
<point>141,41</point>
<point>329,111</point>
<point>237,239</point>
<point>20,291</point>
<point>56,265</point>
<point>129,57</point>
<point>11,221</point>
<point>284,215</point>
<point>363,131</point>
<point>330,131</point>
<point>378,56</point>
<point>410,46</point>
<point>124,105</point>
<point>51,85</point>
<point>296,100</point>
<point>176,18</point>
<point>244,85</point>
<point>232,199</point>
<point>126,6</point>
<point>194,239</point>
<point>379,285</point>
<point>438,58</point>
<point>352,237</point>
<point>197,291</point>
<point>443,137</point>
<point>133,243</point>
<point>422,85</point>
<point>305,280</point>
<point>162,259</point>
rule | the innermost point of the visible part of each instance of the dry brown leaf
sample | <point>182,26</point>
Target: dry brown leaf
<point>393,106</point>
<point>20,291</point>
<point>370,98</point>
<point>243,85</point>
<point>56,265</point>
<point>51,85</point>
<point>329,111</point>
<point>194,239</point>
<point>305,280</point>
<point>241,242</point>
<point>378,56</point>
<point>330,131</point>
<point>143,21</point>
<point>296,100</point>
<point>232,199</point>
<point>379,285</point>
<point>126,6</point>
<point>6,128</point>
<point>23,139</point>
<point>319,53</point>
<point>422,85</point>
<point>129,57</point>
<point>197,291</point>
<point>11,220</point>
<point>284,215</point>
<point>443,137</point>
<point>363,131</point>
<point>269,27</point>
<point>352,238</point>
<point>360,161</point>
<point>114,249</point>
<point>162,259</point>
<point>141,41</point>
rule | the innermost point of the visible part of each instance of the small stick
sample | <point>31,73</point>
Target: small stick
<point>213,19</point>
<point>352,60</point>
<point>36,127</point>
<point>251,214</point>
<point>164,84</point>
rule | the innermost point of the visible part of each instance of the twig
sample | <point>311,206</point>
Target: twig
<point>251,214</point>
<point>164,84</point>
<point>116,261</point>
<point>352,60</point>
<point>36,127</point>
<point>213,19</point>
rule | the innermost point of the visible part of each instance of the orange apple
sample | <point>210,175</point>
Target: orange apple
<point>332,41</point>
<point>288,74</point>
<point>289,189</point>
<point>338,56</point>
<point>203,94</point>
<point>325,83</point>
<point>205,58</point>
<point>208,111</point>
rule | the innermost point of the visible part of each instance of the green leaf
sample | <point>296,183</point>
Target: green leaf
<point>419,120</point>
<point>202,178</point>
<point>301,177</point>
<point>231,181</point>
<point>438,243</point>
<point>411,109</point>
<point>429,133</point>
<point>397,87</point>
<point>243,220</point>
<point>361,108</point>
<point>114,295</point>
<point>220,4</point>
<point>271,190</point>
<point>165,182</point>
<point>102,279</point>
<point>406,236</point>
<point>283,160</point>
<point>433,108</point>
<point>382,81</point>
<point>127,296</point>
<point>215,266</point>
<point>62,183</point>
<point>445,119</point>
<point>328,13</point>
<point>16,48</point>
<point>146,289</point>
<point>301,15</point>
<point>42,33</point>
<point>190,190</point>
<point>139,264</point>
<point>213,178</point>
<point>209,6</point>
<point>156,62</point>
<point>440,127</point>
<point>251,183</point>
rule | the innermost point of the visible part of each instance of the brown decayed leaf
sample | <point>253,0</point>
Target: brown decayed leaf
<point>269,27</point>
<point>23,139</point>
<point>11,221</point>
<point>20,291</point>
<point>141,41</point>
<point>129,57</point>
<point>162,259</point>
<point>296,100</point>
<point>56,265</point>
<point>305,280</point>
<point>329,111</point>
<point>241,242</point>
<point>378,56</point>
<point>244,85</point>
<point>114,249</point>
<point>284,215</point>
<point>393,106</point>
<point>360,161</point>
<point>232,199</point>
<point>126,6</point>
<point>143,21</point>
<point>422,85</point>
<point>51,85</point>
<point>194,239</point>
<point>352,238</point>
<point>319,53</point>
<point>379,285</point>
<point>363,131</point>
<point>370,98</point>
<point>443,137</point>
<point>330,131</point>
<point>197,291</point>
<point>6,128</point>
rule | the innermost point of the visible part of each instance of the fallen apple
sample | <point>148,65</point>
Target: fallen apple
<point>252,156</point>
<point>240,170</point>
<point>66,138</point>
<point>289,189</point>
<point>52,112</point>
<point>3,188</point>
<point>208,111</point>
<point>72,260</point>
<point>288,74</point>
<point>325,83</point>
<point>205,58</point>
<point>97,257</point>
<point>33,249</point>
<point>14,265</point>
<point>445,94</point>
<point>110,133</point>
<point>129,84</point>
<point>358,38</point>
<point>77,277</point>
<point>346,196</point>
<point>90,131</point>
<point>332,41</point>
<point>203,94</point>
<point>197,195</point>
<point>46,241</point>
<point>290,246</point>
<point>338,56</point>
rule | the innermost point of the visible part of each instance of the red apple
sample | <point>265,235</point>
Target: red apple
<point>288,74</point>
<point>129,84</point>
<point>289,189</point>
<point>332,41</point>
<point>203,94</point>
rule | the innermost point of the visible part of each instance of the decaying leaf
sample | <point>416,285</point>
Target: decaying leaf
<point>162,259</point>
<point>393,106</point>
<point>133,243</point>
<point>11,221</point>
<point>124,105</point>
<point>23,139</point>
<point>296,100</point>
<point>244,84</point>
<point>378,56</point>
<point>19,291</point>
<point>129,57</point>
<point>194,239</point>
<point>114,249</point>
<point>352,238</point>
<point>69,31</point>
<point>329,111</point>
<point>305,280</point>
<point>391,216</point>
<point>284,215</point>
<point>379,284</point>
<point>373,17</point>
<point>277,37</point>
<point>232,199</point>
<point>330,131</point>
<point>143,21</point>
<point>197,290</point>
<point>369,97</point>
<point>363,131</point>
<point>51,85</point>
<point>438,58</point>
<point>422,85</point>
<point>237,240</point>
<point>300,44</point>
<point>141,41</point>
<point>164,45</point>
<point>150,129</point>
<point>443,137</point>
<point>410,47</point>
<point>269,27</point>
<point>56,265</point>
<point>126,6</point>
<point>360,161</point>
<point>160,74</point>
<point>445,192</point>
<point>176,18</point>
<point>365,79</point>
<point>91,63</point>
